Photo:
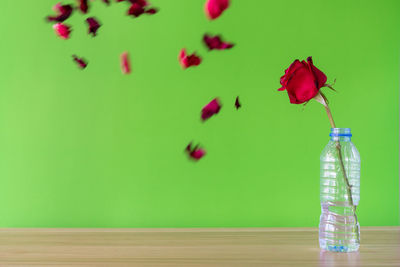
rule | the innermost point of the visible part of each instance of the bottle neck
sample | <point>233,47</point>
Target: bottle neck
<point>340,134</point>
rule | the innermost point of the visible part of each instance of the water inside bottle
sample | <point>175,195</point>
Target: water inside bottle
<point>338,229</point>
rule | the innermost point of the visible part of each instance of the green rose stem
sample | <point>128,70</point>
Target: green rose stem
<point>321,98</point>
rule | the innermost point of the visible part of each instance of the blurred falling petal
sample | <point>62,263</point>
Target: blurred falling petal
<point>135,10</point>
<point>94,25</point>
<point>210,109</point>
<point>215,42</point>
<point>125,63</point>
<point>62,12</point>
<point>214,8</point>
<point>139,7</point>
<point>83,6</point>
<point>187,61</point>
<point>237,103</point>
<point>151,11</point>
<point>195,153</point>
<point>80,62</point>
<point>62,30</point>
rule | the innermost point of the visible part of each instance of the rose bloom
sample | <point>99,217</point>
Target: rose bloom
<point>302,81</point>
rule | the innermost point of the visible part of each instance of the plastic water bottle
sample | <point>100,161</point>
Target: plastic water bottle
<point>339,229</point>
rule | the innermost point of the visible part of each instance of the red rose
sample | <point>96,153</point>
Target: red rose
<point>302,81</point>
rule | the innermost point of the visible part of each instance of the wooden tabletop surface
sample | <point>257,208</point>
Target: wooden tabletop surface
<point>380,246</point>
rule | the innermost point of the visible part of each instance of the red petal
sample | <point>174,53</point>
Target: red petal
<point>210,109</point>
<point>319,75</point>
<point>63,13</point>
<point>62,30</point>
<point>125,63</point>
<point>151,11</point>
<point>80,61</point>
<point>215,42</point>
<point>143,3</point>
<point>83,6</point>
<point>214,8</point>
<point>94,25</point>
<point>288,72</point>
<point>187,61</point>
<point>182,54</point>
<point>136,10</point>
<point>139,7</point>
<point>301,86</point>
<point>195,153</point>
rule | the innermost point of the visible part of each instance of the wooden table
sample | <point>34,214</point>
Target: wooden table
<point>191,247</point>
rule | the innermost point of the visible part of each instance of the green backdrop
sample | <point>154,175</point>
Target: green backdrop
<point>95,148</point>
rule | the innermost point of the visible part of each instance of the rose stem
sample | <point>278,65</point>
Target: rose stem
<point>339,149</point>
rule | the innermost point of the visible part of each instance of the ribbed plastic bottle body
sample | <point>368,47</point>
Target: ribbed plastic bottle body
<point>339,229</point>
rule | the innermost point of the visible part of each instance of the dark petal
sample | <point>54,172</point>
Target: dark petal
<point>94,25</point>
<point>215,42</point>
<point>193,60</point>
<point>63,13</point>
<point>136,10</point>
<point>83,6</point>
<point>143,3</point>
<point>107,2</point>
<point>189,147</point>
<point>151,11</point>
<point>139,7</point>
<point>80,61</point>
<point>237,103</point>
<point>210,109</point>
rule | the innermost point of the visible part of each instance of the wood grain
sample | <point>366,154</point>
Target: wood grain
<point>380,246</point>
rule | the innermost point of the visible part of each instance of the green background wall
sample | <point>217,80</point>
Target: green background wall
<point>95,148</point>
